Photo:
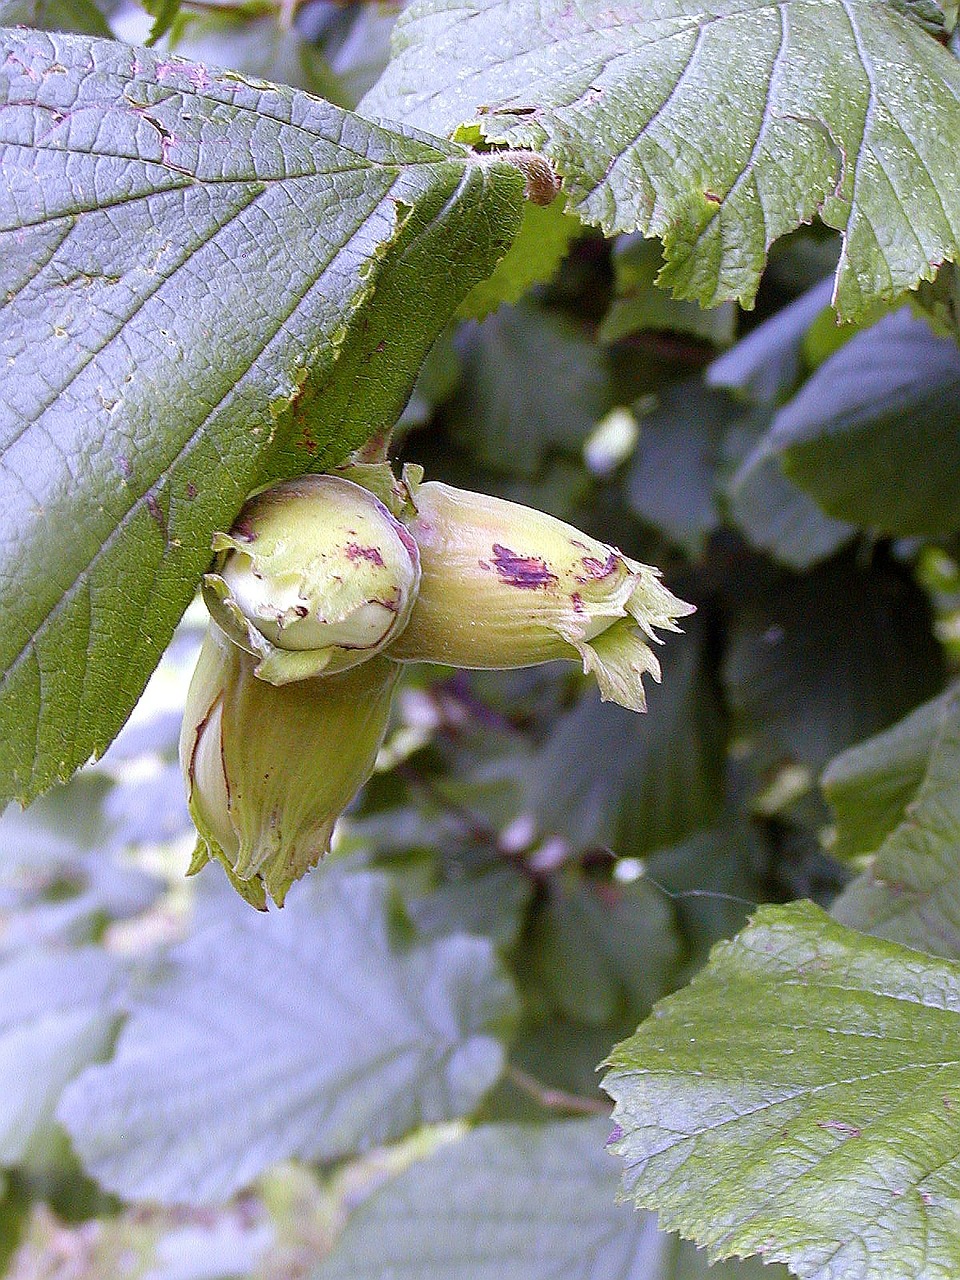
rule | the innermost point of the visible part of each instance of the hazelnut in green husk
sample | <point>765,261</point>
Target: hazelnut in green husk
<point>269,769</point>
<point>503,585</point>
<point>315,576</point>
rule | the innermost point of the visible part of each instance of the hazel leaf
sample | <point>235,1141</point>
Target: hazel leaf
<point>901,788</point>
<point>305,1033</point>
<point>718,127</point>
<point>201,275</point>
<point>454,1216</point>
<point>799,1101</point>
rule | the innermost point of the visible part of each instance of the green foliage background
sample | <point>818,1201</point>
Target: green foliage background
<point>212,279</point>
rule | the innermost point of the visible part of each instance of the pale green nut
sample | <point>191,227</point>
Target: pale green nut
<point>503,585</point>
<point>269,769</point>
<point>315,576</point>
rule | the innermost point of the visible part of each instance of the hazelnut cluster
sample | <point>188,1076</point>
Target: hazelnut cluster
<point>320,592</point>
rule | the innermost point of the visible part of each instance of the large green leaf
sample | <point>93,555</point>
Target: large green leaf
<point>513,1202</point>
<point>718,127</point>
<point>204,279</point>
<point>801,1101</point>
<point>910,779</point>
<point>304,1033</point>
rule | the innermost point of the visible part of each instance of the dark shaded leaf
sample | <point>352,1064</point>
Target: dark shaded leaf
<point>533,383</point>
<point>909,781</point>
<point>874,434</point>
<point>780,519</point>
<point>489,903</point>
<point>673,478</point>
<point>821,661</point>
<point>871,786</point>
<point>712,880</point>
<point>640,305</point>
<point>596,950</point>
<point>608,777</point>
<point>767,362</point>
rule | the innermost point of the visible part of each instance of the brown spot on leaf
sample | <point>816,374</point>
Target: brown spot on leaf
<point>156,511</point>
<point>507,111</point>
<point>527,572</point>
<point>840,1126</point>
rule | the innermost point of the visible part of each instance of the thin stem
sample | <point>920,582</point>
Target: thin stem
<point>556,1099</point>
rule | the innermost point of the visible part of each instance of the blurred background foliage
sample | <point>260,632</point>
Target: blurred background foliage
<point>386,1069</point>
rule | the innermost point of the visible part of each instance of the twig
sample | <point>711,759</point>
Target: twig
<point>556,1099</point>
